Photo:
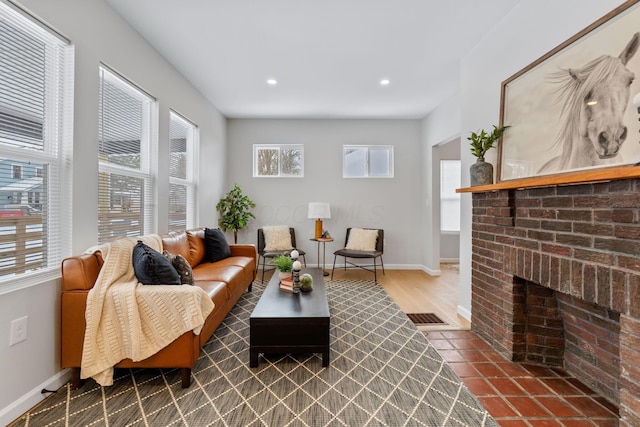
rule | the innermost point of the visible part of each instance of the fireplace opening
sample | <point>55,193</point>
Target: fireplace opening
<point>560,330</point>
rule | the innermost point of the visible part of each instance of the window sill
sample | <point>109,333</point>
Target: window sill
<point>14,284</point>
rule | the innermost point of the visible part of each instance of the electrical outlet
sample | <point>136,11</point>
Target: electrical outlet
<point>18,330</point>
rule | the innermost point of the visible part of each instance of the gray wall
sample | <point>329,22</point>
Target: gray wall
<point>391,204</point>
<point>98,34</point>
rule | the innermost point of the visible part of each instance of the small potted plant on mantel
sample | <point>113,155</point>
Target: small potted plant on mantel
<point>481,172</point>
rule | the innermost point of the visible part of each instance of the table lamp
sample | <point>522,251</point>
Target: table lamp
<point>319,210</point>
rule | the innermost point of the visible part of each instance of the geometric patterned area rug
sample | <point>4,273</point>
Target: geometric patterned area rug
<point>383,372</point>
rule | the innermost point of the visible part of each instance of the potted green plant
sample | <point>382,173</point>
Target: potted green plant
<point>235,211</point>
<point>284,265</point>
<point>481,172</point>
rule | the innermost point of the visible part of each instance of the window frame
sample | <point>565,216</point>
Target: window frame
<point>445,196</point>
<point>190,182</point>
<point>51,150</point>
<point>279,148</point>
<point>367,165</point>
<point>147,169</point>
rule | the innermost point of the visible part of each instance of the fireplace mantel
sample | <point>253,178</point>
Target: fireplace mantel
<point>582,177</point>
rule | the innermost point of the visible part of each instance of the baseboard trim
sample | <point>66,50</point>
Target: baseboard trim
<point>431,272</point>
<point>462,311</point>
<point>14,410</point>
<point>420,267</point>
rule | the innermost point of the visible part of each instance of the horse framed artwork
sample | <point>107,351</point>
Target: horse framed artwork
<point>571,109</point>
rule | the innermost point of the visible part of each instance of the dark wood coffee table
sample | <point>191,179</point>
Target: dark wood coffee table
<point>283,322</point>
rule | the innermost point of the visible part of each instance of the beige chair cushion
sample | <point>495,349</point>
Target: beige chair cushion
<point>362,240</point>
<point>277,238</point>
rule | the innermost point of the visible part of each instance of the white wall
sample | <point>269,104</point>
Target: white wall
<point>531,29</point>
<point>391,204</point>
<point>442,125</point>
<point>99,35</point>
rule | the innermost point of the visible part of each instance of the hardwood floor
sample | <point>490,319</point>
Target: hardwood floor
<point>416,292</point>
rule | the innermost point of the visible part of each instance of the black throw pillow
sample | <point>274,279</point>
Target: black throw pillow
<point>152,268</point>
<point>216,245</point>
<point>182,266</point>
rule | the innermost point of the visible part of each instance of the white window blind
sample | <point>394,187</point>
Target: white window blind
<point>36,113</point>
<point>450,171</point>
<point>127,138</point>
<point>182,173</point>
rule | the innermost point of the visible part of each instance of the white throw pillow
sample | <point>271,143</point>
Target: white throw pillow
<point>362,240</point>
<point>277,238</point>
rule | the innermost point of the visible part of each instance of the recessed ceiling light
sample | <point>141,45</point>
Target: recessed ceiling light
<point>384,82</point>
<point>272,82</point>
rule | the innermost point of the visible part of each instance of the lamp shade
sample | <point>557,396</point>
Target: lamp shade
<point>319,210</point>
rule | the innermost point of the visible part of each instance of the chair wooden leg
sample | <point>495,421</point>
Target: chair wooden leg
<point>186,377</point>
<point>382,264</point>
<point>263,263</point>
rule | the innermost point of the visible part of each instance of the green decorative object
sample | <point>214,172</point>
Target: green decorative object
<point>481,172</point>
<point>306,282</point>
<point>235,211</point>
<point>283,263</point>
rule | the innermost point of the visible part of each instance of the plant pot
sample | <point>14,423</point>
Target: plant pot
<point>481,173</point>
<point>284,275</point>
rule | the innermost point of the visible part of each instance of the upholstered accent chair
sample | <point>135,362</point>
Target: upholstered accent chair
<point>362,244</point>
<point>266,253</point>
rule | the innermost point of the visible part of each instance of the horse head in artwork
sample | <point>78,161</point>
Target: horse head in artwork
<point>594,99</point>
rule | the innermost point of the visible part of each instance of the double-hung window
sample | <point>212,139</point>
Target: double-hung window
<point>127,141</point>
<point>183,148</point>
<point>367,161</point>
<point>36,104</point>
<point>278,160</point>
<point>449,199</point>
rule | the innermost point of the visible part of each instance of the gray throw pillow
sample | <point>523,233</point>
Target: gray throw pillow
<point>182,266</point>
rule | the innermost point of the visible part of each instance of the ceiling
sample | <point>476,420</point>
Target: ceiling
<point>328,56</point>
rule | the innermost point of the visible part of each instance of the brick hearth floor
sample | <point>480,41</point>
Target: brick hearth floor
<point>521,395</point>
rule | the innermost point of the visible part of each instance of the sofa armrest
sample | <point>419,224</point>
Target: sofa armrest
<point>243,250</point>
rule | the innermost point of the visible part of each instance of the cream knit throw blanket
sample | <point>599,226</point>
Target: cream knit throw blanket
<point>126,319</point>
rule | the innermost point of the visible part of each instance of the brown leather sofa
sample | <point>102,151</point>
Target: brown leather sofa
<point>225,281</point>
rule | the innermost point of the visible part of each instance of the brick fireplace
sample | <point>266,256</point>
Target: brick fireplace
<point>556,281</point>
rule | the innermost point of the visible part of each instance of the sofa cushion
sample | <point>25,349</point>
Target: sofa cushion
<point>177,243</point>
<point>217,291</point>
<point>216,245</point>
<point>152,268</point>
<point>182,267</point>
<point>197,250</point>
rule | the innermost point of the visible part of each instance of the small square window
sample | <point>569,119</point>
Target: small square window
<point>278,160</point>
<point>367,161</point>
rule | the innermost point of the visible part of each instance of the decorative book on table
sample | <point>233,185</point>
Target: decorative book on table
<point>286,284</point>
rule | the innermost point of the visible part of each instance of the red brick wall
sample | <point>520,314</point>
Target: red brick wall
<point>592,347</point>
<point>582,241</point>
